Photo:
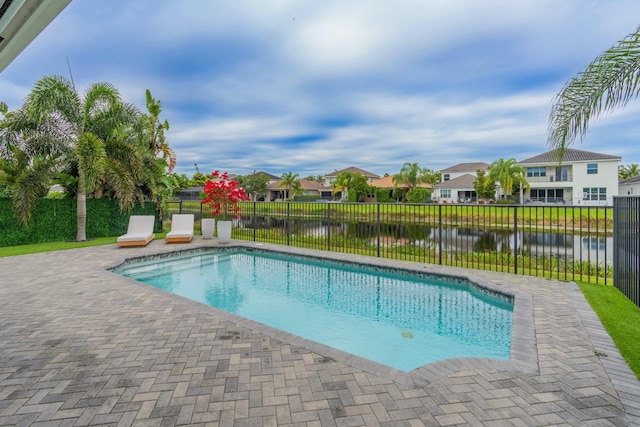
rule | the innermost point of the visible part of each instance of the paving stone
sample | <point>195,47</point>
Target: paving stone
<point>80,345</point>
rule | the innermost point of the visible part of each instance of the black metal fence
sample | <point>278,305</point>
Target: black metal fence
<point>626,244</point>
<point>563,242</point>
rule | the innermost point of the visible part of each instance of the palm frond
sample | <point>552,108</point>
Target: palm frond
<point>119,180</point>
<point>91,156</point>
<point>609,82</point>
<point>127,154</point>
<point>100,97</point>
<point>32,184</point>
<point>54,93</point>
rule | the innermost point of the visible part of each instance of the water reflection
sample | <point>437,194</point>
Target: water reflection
<point>451,239</point>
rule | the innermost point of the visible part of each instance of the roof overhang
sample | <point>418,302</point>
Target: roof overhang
<point>21,21</point>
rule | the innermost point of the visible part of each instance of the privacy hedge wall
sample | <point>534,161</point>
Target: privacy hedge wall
<point>55,220</point>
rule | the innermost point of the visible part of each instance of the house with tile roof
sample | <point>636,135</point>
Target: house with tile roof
<point>456,185</point>
<point>583,178</point>
<point>272,177</point>
<point>310,188</point>
<point>629,186</point>
<point>330,177</point>
<point>387,183</point>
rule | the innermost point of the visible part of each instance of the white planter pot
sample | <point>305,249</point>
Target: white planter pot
<point>224,231</point>
<point>207,226</point>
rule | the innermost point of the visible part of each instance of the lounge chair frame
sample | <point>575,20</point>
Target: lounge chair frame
<point>181,229</point>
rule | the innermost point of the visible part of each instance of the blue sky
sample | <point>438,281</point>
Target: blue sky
<point>315,86</point>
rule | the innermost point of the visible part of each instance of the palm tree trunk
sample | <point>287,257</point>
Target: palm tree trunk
<point>81,213</point>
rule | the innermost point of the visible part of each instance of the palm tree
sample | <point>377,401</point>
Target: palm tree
<point>341,185</point>
<point>30,157</point>
<point>296,188</point>
<point>410,176</point>
<point>509,174</point>
<point>159,158</point>
<point>609,82</point>
<point>85,120</point>
<point>484,186</point>
<point>628,171</point>
<point>154,132</point>
<point>288,181</point>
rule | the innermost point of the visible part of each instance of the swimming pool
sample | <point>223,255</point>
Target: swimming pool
<point>399,320</point>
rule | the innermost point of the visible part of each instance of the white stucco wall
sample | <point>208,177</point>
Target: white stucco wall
<point>606,177</point>
<point>631,189</point>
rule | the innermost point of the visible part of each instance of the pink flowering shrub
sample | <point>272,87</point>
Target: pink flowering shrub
<point>223,195</point>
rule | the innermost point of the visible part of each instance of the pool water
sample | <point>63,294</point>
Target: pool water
<point>400,320</point>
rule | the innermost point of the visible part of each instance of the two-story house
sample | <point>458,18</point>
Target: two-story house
<point>456,184</point>
<point>582,178</point>
<point>331,177</point>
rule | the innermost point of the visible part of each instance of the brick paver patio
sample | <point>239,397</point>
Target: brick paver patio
<point>80,345</point>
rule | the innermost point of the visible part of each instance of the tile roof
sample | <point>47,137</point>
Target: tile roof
<point>353,169</point>
<point>570,155</point>
<point>631,180</point>
<point>269,175</point>
<point>467,167</point>
<point>464,181</point>
<point>387,182</point>
<point>305,184</point>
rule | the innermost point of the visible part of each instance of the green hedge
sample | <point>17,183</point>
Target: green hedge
<point>383,195</point>
<point>419,195</point>
<point>54,220</point>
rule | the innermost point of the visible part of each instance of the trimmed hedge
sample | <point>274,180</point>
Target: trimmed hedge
<point>383,195</point>
<point>55,220</point>
<point>419,195</point>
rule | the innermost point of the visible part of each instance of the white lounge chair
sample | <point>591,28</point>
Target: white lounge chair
<point>139,232</point>
<point>181,229</point>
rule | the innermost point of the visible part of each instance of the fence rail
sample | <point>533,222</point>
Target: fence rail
<point>563,242</point>
<point>626,245</point>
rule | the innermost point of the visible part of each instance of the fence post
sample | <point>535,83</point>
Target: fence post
<point>288,223</point>
<point>255,219</point>
<point>515,240</point>
<point>378,230</point>
<point>440,234</point>
<point>329,227</point>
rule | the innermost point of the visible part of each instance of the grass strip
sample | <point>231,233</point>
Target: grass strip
<point>59,246</point>
<point>620,317</point>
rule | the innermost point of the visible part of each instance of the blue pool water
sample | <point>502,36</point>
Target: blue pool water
<point>399,320</point>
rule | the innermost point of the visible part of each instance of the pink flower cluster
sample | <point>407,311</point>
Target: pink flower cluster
<point>223,195</point>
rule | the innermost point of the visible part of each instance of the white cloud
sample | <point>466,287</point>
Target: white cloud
<point>320,85</point>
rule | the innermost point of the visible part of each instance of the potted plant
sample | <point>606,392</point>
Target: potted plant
<point>222,196</point>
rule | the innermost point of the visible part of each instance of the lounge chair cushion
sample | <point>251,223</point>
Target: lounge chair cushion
<point>139,232</point>
<point>181,228</point>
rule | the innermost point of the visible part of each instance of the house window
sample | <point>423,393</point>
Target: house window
<point>592,169</point>
<point>446,177</point>
<point>532,172</point>
<point>594,193</point>
<point>445,194</point>
<point>562,173</point>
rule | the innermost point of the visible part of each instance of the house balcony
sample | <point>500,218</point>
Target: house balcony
<point>549,178</point>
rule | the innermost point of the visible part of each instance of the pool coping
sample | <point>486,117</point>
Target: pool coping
<point>523,353</point>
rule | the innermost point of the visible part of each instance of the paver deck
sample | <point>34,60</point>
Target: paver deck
<point>81,345</point>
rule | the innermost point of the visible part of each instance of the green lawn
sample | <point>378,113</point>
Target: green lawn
<point>620,317</point>
<point>58,246</point>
